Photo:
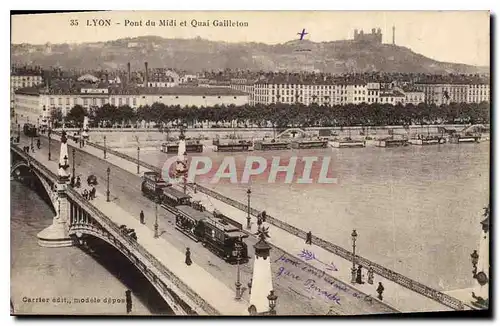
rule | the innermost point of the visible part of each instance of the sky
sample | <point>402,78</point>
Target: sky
<point>452,36</point>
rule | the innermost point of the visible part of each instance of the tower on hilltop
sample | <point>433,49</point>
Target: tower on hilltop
<point>393,35</point>
<point>375,37</point>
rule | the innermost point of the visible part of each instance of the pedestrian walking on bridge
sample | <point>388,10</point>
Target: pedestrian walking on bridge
<point>141,217</point>
<point>380,290</point>
<point>250,286</point>
<point>309,238</point>
<point>38,144</point>
<point>370,275</point>
<point>188,260</point>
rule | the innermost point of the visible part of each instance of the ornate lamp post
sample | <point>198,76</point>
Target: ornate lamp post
<point>49,133</point>
<point>138,150</point>
<point>73,153</point>
<point>474,257</point>
<point>354,235</point>
<point>238,247</point>
<point>104,147</point>
<point>272,302</point>
<point>157,202</point>
<point>108,171</point>
<point>81,138</point>
<point>249,192</point>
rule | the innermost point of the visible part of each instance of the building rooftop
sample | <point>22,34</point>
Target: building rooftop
<point>74,88</point>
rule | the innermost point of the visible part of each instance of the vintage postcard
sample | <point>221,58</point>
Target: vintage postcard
<point>243,163</point>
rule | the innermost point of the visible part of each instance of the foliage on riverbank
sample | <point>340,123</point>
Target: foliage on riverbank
<point>284,115</point>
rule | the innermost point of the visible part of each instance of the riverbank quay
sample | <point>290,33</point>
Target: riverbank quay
<point>408,295</point>
<point>154,137</point>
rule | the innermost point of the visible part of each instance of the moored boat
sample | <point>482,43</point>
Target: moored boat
<point>348,143</point>
<point>391,143</point>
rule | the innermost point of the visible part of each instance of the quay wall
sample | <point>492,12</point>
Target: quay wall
<point>149,137</point>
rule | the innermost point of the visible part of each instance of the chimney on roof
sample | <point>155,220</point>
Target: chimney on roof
<point>128,72</point>
<point>145,74</point>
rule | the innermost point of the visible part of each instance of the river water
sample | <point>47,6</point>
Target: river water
<point>416,209</point>
<point>68,273</point>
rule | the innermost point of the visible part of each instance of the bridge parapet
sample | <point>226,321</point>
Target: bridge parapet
<point>93,222</point>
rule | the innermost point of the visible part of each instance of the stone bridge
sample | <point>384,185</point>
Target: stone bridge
<point>76,220</point>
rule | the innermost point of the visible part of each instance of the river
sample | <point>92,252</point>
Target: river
<point>59,273</point>
<point>416,209</point>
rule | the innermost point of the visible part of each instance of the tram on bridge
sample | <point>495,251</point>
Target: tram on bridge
<point>217,232</point>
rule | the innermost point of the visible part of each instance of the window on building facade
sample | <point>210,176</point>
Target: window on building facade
<point>52,101</point>
<point>120,101</point>
<point>112,101</point>
<point>134,101</point>
<point>85,101</point>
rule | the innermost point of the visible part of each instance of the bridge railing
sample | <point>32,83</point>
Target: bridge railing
<point>339,251</point>
<point>393,276</point>
<point>101,218</point>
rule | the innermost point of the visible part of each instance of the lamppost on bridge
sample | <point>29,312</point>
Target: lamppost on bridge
<point>19,131</point>
<point>104,147</point>
<point>73,156</point>
<point>158,200</point>
<point>138,150</point>
<point>354,235</point>
<point>108,171</point>
<point>49,134</point>
<point>272,298</point>
<point>248,207</point>
<point>238,247</point>
<point>80,138</point>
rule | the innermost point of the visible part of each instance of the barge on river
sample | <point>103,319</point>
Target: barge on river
<point>191,147</point>
<point>306,144</point>
<point>427,141</point>
<point>457,139</point>
<point>271,145</point>
<point>392,143</point>
<point>348,143</point>
<point>241,146</point>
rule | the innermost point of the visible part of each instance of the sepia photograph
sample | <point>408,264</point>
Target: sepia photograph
<point>250,163</point>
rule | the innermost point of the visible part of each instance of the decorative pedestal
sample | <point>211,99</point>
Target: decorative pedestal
<point>55,236</point>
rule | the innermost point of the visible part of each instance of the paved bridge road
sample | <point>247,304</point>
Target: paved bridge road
<point>295,297</point>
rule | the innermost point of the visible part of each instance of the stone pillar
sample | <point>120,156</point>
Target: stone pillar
<point>57,234</point>
<point>262,279</point>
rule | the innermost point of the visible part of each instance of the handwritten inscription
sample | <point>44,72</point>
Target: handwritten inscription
<point>309,255</point>
<point>291,268</point>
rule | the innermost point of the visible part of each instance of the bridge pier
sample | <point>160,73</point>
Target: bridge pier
<point>57,234</point>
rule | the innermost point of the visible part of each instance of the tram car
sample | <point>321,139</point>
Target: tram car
<point>172,198</point>
<point>217,235</point>
<point>30,130</point>
<point>152,185</point>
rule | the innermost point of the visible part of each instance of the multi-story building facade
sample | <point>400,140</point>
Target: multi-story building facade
<point>35,104</point>
<point>392,97</point>
<point>477,93</point>
<point>351,92</point>
<point>372,92</point>
<point>412,95</point>
<point>461,91</point>
<point>20,79</point>
<point>289,93</point>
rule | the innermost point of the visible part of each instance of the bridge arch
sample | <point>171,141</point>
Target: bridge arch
<point>21,168</point>
<point>79,231</point>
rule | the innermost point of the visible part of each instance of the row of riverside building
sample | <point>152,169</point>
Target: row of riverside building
<point>34,98</point>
